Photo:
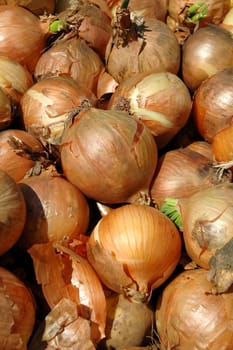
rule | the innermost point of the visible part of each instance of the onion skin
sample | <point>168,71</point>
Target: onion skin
<point>38,7</point>
<point>213,104</point>
<point>55,209</point>
<point>134,249</point>
<point>6,114</point>
<point>22,36</point>
<point>18,311</point>
<point>222,145</point>
<point>207,51</point>
<point>189,316</point>
<point>117,155</point>
<point>12,212</point>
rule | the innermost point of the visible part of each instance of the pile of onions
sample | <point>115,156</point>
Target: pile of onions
<point>160,100</point>
<point>19,153</point>
<point>55,209</point>
<point>189,316</point>
<point>184,171</point>
<point>22,37</point>
<point>6,113</point>
<point>72,57</point>
<point>49,105</point>
<point>213,103</point>
<point>134,249</point>
<point>206,52</point>
<point>18,312</point>
<point>139,46</point>
<point>12,212</point>
<point>110,156</point>
<point>74,293</point>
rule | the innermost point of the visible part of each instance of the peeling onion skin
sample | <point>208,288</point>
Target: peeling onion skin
<point>189,316</point>
<point>18,312</point>
<point>134,249</point>
<point>110,156</point>
<point>12,212</point>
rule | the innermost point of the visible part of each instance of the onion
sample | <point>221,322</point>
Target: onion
<point>160,100</point>
<point>227,22</point>
<point>18,312</point>
<point>12,212</point>
<point>222,146</point>
<point>72,57</point>
<point>6,114</point>
<point>22,37</point>
<point>110,156</point>
<point>50,104</point>
<point>73,292</point>
<point>213,104</point>
<point>127,323</point>
<point>55,209</point>
<point>206,52</point>
<point>182,172</point>
<point>134,249</point>
<point>189,316</point>
<point>20,152</point>
<point>138,46</point>
<point>38,7</point>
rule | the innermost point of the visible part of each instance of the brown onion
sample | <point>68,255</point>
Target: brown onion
<point>160,100</point>
<point>189,316</point>
<point>206,52</point>
<point>18,312</point>
<point>72,57</point>
<point>38,7</point>
<point>55,209</point>
<point>213,103</point>
<point>134,249</point>
<point>110,156</point>
<point>50,104</point>
<point>223,147</point>
<point>19,153</point>
<point>6,113</point>
<point>22,37</point>
<point>138,46</point>
<point>12,212</point>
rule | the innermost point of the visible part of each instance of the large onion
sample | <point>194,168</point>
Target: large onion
<point>55,209</point>
<point>22,37</point>
<point>160,100</point>
<point>213,103</point>
<point>206,52</point>
<point>110,156</point>
<point>50,104</point>
<point>18,312</point>
<point>12,212</point>
<point>134,249</point>
<point>189,316</point>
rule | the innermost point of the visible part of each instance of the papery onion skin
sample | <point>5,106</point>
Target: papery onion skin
<point>117,155</point>
<point>18,152</point>
<point>55,209</point>
<point>213,104</point>
<point>18,312</point>
<point>12,212</point>
<point>206,52</point>
<point>189,316</point>
<point>207,222</point>
<point>49,105</point>
<point>6,113</point>
<point>22,36</point>
<point>160,100</point>
<point>134,249</point>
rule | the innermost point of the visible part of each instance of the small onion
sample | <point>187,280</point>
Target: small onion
<point>189,316</point>
<point>72,57</point>
<point>134,249</point>
<point>147,46</point>
<point>55,209</point>
<point>160,100</point>
<point>19,152</point>
<point>206,52</point>
<point>12,212</point>
<point>49,105</point>
<point>18,312</point>
<point>22,37</point>
<point>212,108</point>
<point>110,156</point>
<point>6,113</point>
